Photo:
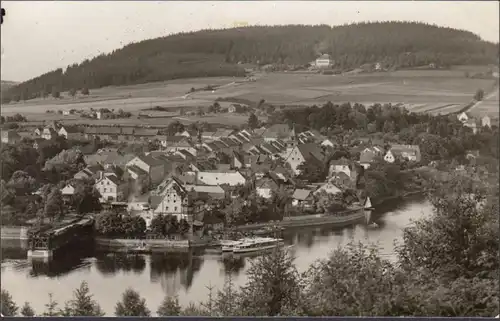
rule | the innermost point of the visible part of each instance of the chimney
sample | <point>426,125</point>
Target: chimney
<point>101,175</point>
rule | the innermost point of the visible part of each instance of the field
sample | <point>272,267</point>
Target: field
<point>433,91</point>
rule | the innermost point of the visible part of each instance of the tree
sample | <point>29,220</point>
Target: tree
<point>27,310</point>
<point>54,205</point>
<point>85,91</point>
<point>21,183</point>
<point>8,306</point>
<point>479,95</point>
<point>109,224</point>
<point>273,285</point>
<point>51,308</point>
<point>253,121</point>
<point>86,197</point>
<point>312,170</point>
<point>72,92</point>
<point>355,281</point>
<point>460,231</point>
<point>132,305</point>
<point>82,303</point>
<point>169,307</point>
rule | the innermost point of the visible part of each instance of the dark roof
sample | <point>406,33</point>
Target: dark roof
<point>150,160</point>
<point>311,150</point>
<point>72,129</point>
<point>145,132</point>
<point>112,178</point>
<point>137,170</point>
<point>103,130</point>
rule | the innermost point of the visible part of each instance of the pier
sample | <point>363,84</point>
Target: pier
<point>43,242</point>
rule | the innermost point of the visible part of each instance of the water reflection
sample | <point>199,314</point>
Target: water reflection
<point>111,263</point>
<point>185,274</point>
<point>173,270</point>
<point>62,264</point>
<point>232,264</point>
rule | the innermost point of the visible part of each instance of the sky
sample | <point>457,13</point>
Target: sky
<point>39,36</point>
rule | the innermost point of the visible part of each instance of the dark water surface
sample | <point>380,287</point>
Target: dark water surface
<point>184,274</point>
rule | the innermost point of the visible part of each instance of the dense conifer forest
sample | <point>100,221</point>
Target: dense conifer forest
<point>221,53</point>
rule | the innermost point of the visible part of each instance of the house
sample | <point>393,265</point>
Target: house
<point>486,121</point>
<point>303,198</point>
<point>472,124</point>
<point>70,132</point>
<point>463,117</point>
<point>236,108</point>
<point>265,187</point>
<point>389,157</point>
<point>153,166</point>
<point>108,158</point>
<point>408,152</point>
<point>340,166</point>
<point>91,171</point>
<point>213,221</point>
<point>145,134</point>
<point>327,143</point>
<point>214,192</point>
<point>10,137</point>
<point>302,153</point>
<point>174,200</point>
<point>38,131</point>
<point>231,178</point>
<point>328,188</point>
<point>324,61</point>
<point>109,188</point>
<point>342,180</point>
<point>368,154</point>
<point>49,133</point>
<point>278,131</point>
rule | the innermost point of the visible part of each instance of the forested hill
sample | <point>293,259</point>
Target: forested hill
<point>217,53</point>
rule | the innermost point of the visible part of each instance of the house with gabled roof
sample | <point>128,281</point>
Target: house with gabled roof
<point>302,153</point>
<point>154,166</point>
<point>174,200</point>
<point>408,152</point>
<point>49,133</point>
<point>145,133</point>
<point>368,154</point>
<point>303,198</point>
<point>91,171</point>
<point>341,165</point>
<point>110,188</point>
<point>265,187</point>
<point>10,137</point>
<point>71,132</point>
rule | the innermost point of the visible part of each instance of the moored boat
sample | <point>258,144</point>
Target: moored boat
<point>257,244</point>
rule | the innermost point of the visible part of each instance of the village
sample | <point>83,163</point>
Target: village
<point>191,170</point>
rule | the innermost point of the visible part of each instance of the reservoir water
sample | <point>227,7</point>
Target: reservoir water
<point>186,275</point>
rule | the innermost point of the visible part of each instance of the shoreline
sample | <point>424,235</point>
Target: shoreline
<point>339,219</point>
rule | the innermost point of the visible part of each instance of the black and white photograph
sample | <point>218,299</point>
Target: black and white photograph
<point>250,158</point>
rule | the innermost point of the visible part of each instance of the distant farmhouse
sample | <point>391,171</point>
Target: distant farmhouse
<point>324,61</point>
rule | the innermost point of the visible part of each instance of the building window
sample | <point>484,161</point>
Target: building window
<point>175,209</point>
<point>105,190</point>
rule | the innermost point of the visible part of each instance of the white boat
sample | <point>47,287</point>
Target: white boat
<point>257,244</point>
<point>228,245</point>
